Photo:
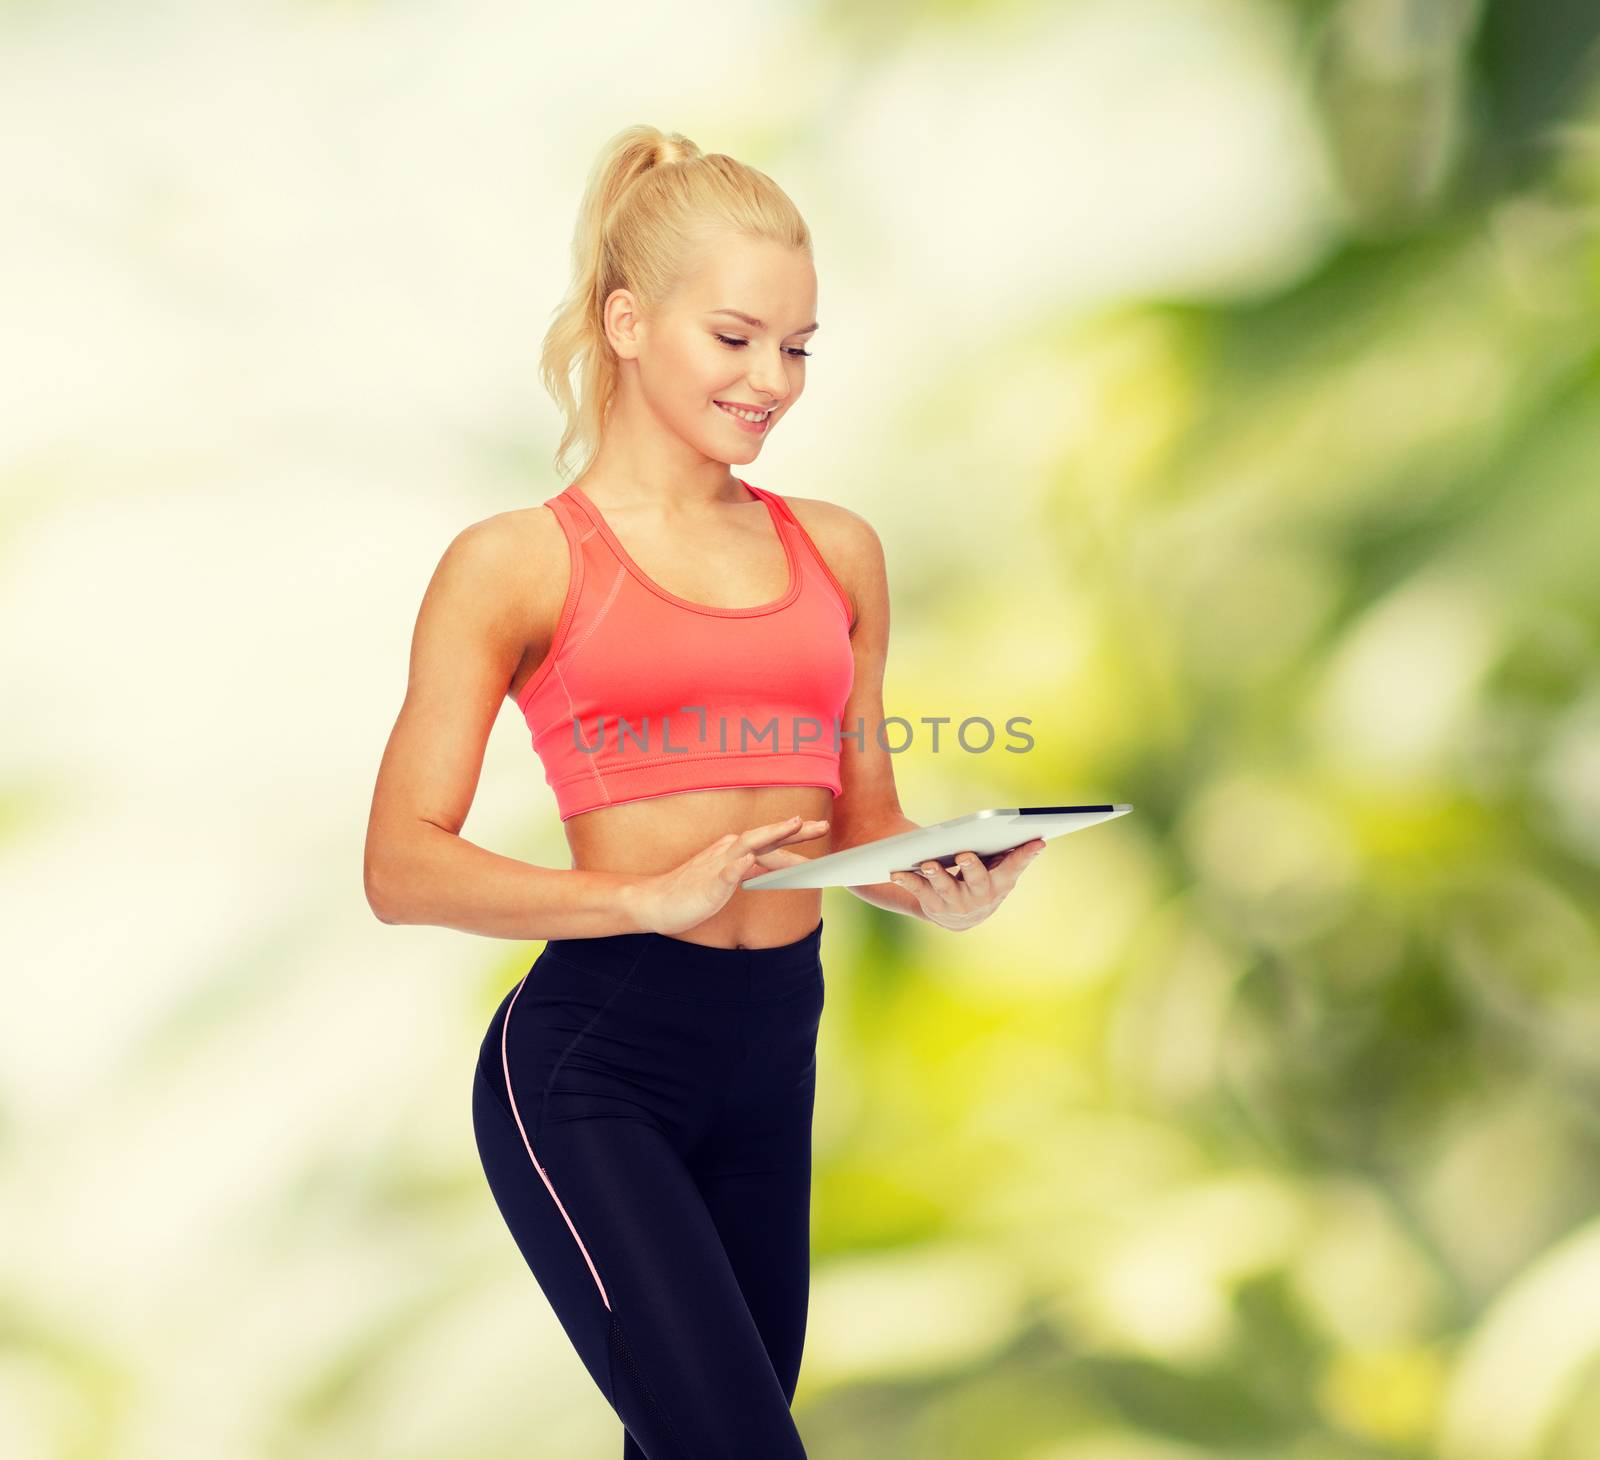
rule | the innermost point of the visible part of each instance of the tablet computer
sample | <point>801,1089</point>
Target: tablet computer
<point>983,832</point>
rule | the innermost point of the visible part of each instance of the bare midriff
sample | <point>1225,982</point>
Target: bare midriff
<point>658,833</point>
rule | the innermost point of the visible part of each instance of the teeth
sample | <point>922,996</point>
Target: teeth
<point>751,416</point>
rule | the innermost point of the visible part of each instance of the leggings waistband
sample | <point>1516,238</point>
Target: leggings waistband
<point>677,966</point>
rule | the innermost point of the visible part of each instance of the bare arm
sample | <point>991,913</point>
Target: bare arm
<point>885,894</point>
<point>868,806</point>
<point>418,868</point>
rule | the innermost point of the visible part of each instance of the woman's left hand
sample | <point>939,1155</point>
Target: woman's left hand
<point>963,902</point>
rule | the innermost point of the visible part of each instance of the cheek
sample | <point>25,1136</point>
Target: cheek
<point>704,372</point>
<point>683,379</point>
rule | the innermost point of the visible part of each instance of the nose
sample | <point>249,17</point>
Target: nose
<point>769,381</point>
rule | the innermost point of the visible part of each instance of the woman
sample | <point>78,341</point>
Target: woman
<point>700,662</point>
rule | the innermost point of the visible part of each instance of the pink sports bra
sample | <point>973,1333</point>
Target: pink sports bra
<point>644,693</point>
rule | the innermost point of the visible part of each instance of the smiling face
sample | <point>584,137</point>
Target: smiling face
<point>736,330</point>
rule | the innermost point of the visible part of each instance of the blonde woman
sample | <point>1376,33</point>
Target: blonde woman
<point>700,663</point>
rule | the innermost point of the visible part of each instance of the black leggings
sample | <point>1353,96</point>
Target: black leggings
<point>642,1106</point>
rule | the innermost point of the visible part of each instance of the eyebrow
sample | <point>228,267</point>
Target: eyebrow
<point>755,323</point>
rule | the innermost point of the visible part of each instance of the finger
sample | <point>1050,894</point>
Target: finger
<point>809,831</point>
<point>778,857</point>
<point>941,882</point>
<point>776,833</point>
<point>772,861</point>
<point>974,874</point>
<point>1014,863</point>
<point>913,884</point>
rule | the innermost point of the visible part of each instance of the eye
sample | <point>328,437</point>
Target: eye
<point>797,354</point>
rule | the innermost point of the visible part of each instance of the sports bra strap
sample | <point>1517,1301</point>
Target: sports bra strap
<point>822,562</point>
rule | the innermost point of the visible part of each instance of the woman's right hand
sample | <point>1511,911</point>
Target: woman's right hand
<point>674,901</point>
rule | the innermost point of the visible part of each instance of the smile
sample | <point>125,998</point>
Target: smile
<point>755,421</point>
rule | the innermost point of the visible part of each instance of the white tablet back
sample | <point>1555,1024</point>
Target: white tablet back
<point>983,832</point>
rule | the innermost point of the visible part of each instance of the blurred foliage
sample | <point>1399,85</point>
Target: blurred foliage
<point>1272,1170</point>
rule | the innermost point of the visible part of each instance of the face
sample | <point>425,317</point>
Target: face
<point>696,350</point>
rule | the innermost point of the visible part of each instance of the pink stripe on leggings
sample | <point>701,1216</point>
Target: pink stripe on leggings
<point>506,1064</point>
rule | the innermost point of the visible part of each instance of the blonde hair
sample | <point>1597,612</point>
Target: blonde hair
<point>653,200</point>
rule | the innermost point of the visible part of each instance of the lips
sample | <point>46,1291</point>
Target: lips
<point>757,427</point>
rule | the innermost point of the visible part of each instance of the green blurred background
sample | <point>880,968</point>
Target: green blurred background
<point>1255,341</point>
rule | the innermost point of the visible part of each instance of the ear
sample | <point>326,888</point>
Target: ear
<point>623,323</point>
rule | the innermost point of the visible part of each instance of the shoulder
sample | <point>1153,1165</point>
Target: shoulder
<point>852,550</point>
<point>508,560</point>
<point>522,538</point>
<point>840,532</point>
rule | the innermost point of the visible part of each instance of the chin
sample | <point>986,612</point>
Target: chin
<point>723,453</point>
